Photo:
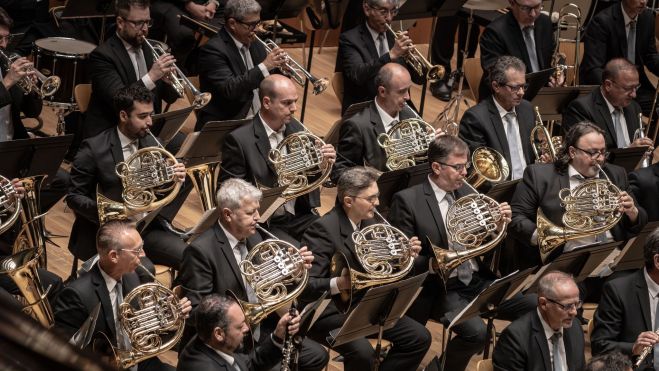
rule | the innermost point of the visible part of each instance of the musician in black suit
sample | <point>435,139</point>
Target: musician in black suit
<point>364,49</point>
<point>246,149</point>
<point>644,185</point>
<point>358,135</point>
<point>211,262</point>
<point>222,329</point>
<point>607,37</point>
<point>357,198</point>
<point>584,151</point>
<point>94,167</point>
<point>123,60</point>
<point>504,120</point>
<point>625,318</point>
<point>524,32</point>
<point>611,106</point>
<point>232,65</point>
<point>119,247</point>
<point>541,339</point>
<point>418,211</point>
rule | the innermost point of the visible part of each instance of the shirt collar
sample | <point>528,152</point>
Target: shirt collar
<point>384,116</point>
<point>626,17</point>
<point>502,111</point>
<point>230,359</point>
<point>572,172</point>
<point>124,140</point>
<point>439,193</point>
<point>549,332</point>
<point>608,104</point>
<point>268,129</point>
<point>127,45</point>
<point>374,34</point>
<point>233,241</point>
<point>239,45</point>
<point>653,287</point>
<point>109,281</point>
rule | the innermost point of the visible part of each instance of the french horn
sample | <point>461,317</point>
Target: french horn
<point>406,143</point>
<point>10,205</point>
<point>488,166</point>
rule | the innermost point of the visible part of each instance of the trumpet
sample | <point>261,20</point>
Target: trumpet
<point>179,80</point>
<point>44,86</point>
<point>419,63</point>
<point>639,134</point>
<point>542,141</point>
<point>294,70</point>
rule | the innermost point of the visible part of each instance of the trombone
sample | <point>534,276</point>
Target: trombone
<point>294,70</point>
<point>419,63</point>
<point>179,80</point>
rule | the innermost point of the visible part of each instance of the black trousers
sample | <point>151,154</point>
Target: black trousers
<point>443,41</point>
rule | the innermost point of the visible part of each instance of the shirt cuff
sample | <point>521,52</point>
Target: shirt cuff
<point>334,287</point>
<point>534,238</point>
<point>148,82</point>
<point>278,343</point>
<point>264,70</point>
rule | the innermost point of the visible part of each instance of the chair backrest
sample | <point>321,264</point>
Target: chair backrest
<point>485,365</point>
<point>473,74</point>
<point>82,93</point>
<point>337,85</point>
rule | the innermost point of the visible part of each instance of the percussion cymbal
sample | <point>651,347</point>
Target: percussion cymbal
<point>485,4</point>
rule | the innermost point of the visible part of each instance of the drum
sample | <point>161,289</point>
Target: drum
<point>66,58</point>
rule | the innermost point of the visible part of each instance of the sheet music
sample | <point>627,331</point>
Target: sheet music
<point>624,251</point>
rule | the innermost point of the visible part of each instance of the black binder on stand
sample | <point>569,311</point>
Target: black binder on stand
<point>36,156</point>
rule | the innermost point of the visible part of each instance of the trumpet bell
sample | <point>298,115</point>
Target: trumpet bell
<point>436,72</point>
<point>201,100</point>
<point>320,85</point>
<point>50,86</point>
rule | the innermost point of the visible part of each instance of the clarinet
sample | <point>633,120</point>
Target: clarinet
<point>290,350</point>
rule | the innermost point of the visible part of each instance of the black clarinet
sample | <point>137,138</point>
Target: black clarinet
<point>291,348</point>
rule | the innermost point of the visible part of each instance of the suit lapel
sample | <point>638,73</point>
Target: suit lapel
<point>540,340</point>
<point>115,147</point>
<point>526,125</point>
<point>227,251</point>
<point>619,29</point>
<point>104,297</point>
<point>433,206</point>
<point>605,115</point>
<point>262,141</point>
<point>233,52</point>
<point>632,121</point>
<point>376,121</point>
<point>124,59</point>
<point>518,37</point>
<point>497,124</point>
<point>643,299</point>
<point>213,355</point>
<point>367,41</point>
<point>567,342</point>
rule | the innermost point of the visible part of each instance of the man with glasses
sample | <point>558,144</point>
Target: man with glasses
<point>524,32</point>
<point>546,339</point>
<point>611,107</point>
<point>357,198</point>
<point>232,65</point>
<point>364,49</point>
<point>119,248</point>
<point>581,157</point>
<point>419,211</point>
<point>504,120</point>
<point>626,318</point>
<point>622,31</point>
<point>123,60</point>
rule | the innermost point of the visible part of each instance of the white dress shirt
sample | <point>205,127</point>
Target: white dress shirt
<point>623,121</point>
<point>374,36</point>
<point>502,114</point>
<point>627,19</point>
<point>110,283</point>
<point>133,59</point>
<point>386,119</point>
<point>549,332</point>
<point>653,292</point>
<point>128,146</point>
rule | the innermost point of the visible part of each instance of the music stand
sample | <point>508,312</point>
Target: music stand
<point>167,124</point>
<point>378,310</point>
<point>631,257</point>
<point>205,146</point>
<point>394,181</point>
<point>552,101</point>
<point>504,191</point>
<point>35,156</point>
<point>271,201</point>
<point>537,80</point>
<point>629,157</point>
<point>89,9</point>
<point>207,220</point>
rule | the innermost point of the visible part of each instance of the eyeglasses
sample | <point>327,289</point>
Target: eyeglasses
<point>625,88</point>
<point>250,25</point>
<point>527,9</point>
<point>371,199</point>
<point>457,167</point>
<point>567,307</point>
<point>137,251</point>
<point>516,88</point>
<point>7,38</point>
<point>594,154</point>
<point>140,24</point>
<point>384,11</point>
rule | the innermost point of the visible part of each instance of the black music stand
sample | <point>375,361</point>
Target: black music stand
<point>208,218</point>
<point>629,157</point>
<point>503,192</point>
<point>394,181</point>
<point>89,9</point>
<point>167,124</point>
<point>271,201</point>
<point>83,337</point>
<point>552,101</point>
<point>378,310</point>
<point>631,257</point>
<point>205,146</point>
<point>486,303</point>
<point>537,80</point>
<point>36,156</point>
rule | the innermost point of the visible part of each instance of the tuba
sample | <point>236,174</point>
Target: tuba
<point>590,208</point>
<point>300,164</point>
<point>489,165</point>
<point>146,175</point>
<point>35,234</point>
<point>419,63</point>
<point>384,254</point>
<point>568,17</point>
<point>406,143</point>
<point>204,180</point>
<point>43,86</point>
<point>275,270</point>
<point>542,141</point>
<point>10,205</point>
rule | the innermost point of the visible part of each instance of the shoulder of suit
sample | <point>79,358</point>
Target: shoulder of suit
<point>207,239</point>
<point>625,283</point>
<point>616,170</point>
<point>521,324</point>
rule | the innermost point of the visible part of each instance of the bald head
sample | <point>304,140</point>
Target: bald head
<point>615,66</point>
<point>278,96</point>
<point>273,84</point>
<point>388,73</point>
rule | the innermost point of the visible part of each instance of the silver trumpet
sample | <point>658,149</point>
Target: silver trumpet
<point>294,70</point>
<point>419,63</point>
<point>43,86</point>
<point>639,133</point>
<point>179,80</point>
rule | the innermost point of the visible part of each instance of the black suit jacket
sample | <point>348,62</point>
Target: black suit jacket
<point>540,187</point>
<point>644,184</point>
<point>523,346</point>
<point>223,73</point>
<point>605,39</point>
<point>29,104</point>
<point>94,165</point>
<point>359,61</point>
<point>503,36</point>
<point>592,107</point>
<point>358,141</point>
<point>622,314</point>
<point>198,356</point>
<point>481,126</point>
<point>245,156</point>
<point>112,71</point>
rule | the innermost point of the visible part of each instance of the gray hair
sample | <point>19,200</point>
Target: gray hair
<point>613,361</point>
<point>503,64</point>
<point>549,281</point>
<point>233,191</point>
<point>211,314</point>
<point>395,3</point>
<point>613,68</point>
<point>238,9</point>
<point>109,235</point>
<point>354,180</point>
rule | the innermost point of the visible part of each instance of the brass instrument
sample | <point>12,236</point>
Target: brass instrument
<point>35,235</point>
<point>178,79</point>
<point>275,270</point>
<point>489,165</point>
<point>471,222</point>
<point>294,70</point>
<point>542,141</point>
<point>384,254</point>
<point>145,175</point>
<point>590,208</point>
<point>297,160</point>
<point>22,269</point>
<point>639,133</point>
<point>204,180</point>
<point>10,205</point>
<point>419,63</point>
<point>43,86</point>
<point>569,17</point>
<point>406,143</point>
